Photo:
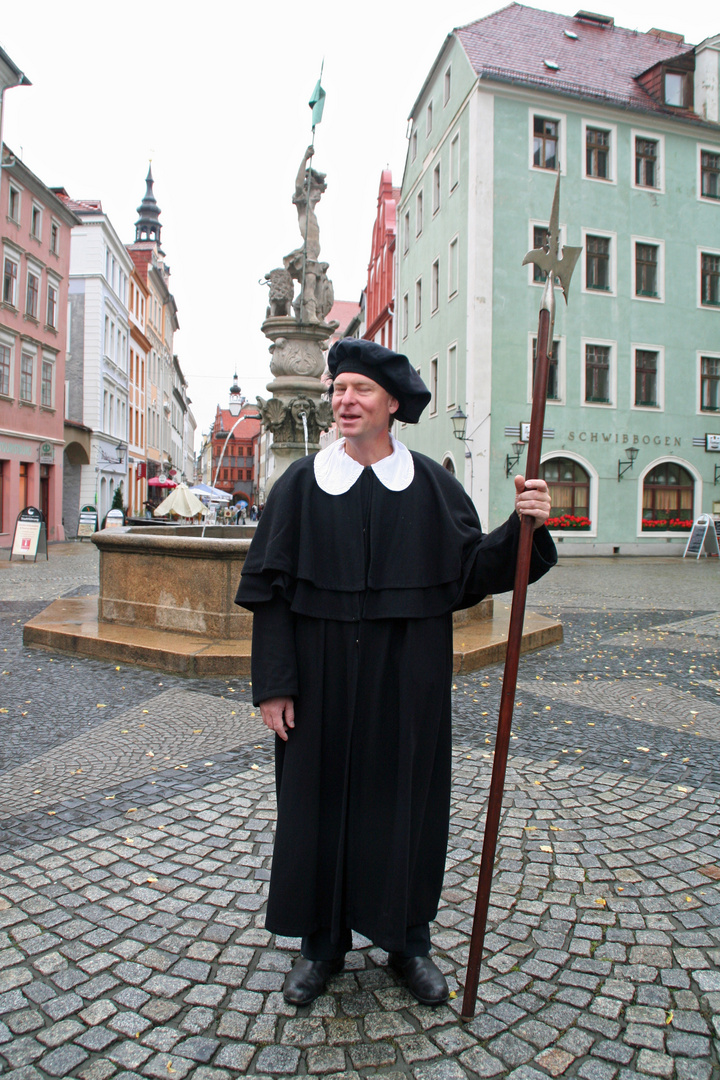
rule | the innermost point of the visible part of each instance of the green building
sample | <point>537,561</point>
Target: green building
<point>632,121</point>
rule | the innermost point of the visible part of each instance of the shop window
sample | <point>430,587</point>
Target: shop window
<point>668,493</point>
<point>569,487</point>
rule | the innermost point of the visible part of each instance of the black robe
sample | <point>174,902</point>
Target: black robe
<point>352,597</point>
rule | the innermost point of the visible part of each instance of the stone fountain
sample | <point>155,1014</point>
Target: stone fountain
<point>297,413</point>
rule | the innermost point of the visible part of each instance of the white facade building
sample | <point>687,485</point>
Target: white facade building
<point>98,349</point>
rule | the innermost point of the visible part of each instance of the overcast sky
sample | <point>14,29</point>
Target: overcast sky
<point>216,95</point>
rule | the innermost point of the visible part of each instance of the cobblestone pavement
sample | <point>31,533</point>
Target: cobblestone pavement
<point>136,815</point>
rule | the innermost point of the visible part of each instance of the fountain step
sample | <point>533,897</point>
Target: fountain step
<point>71,625</point>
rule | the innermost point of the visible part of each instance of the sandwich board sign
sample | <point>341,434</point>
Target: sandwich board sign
<point>703,539</point>
<point>88,522</point>
<point>30,534</point>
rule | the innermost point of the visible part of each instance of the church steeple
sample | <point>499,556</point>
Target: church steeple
<point>147,226</point>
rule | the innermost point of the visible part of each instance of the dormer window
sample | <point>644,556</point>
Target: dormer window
<point>678,89</point>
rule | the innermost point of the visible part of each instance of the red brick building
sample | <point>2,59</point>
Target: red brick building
<point>237,465</point>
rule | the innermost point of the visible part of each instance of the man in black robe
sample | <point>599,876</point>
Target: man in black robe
<point>361,556</point>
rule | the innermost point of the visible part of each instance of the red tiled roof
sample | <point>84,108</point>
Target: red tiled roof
<point>343,312</point>
<point>603,62</point>
<point>79,206</point>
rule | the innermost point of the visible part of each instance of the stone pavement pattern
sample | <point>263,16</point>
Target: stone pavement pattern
<point>136,817</point>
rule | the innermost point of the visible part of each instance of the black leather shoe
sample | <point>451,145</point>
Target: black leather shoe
<point>307,979</point>
<point>423,979</point>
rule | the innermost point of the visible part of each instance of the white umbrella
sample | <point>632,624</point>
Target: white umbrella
<point>180,503</point>
<point>207,492</point>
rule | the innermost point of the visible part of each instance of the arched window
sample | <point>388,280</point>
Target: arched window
<point>668,492</point>
<point>449,464</point>
<point>569,487</point>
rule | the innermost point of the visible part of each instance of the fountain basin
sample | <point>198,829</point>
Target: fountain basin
<point>167,601</point>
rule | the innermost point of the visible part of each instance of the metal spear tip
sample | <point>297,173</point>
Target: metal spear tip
<point>550,259</point>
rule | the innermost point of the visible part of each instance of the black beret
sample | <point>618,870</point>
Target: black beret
<point>389,369</point>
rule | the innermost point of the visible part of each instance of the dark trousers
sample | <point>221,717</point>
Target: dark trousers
<point>319,946</point>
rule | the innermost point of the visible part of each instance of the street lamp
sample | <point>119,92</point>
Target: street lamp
<point>511,462</point>
<point>459,423</point>
<point>631,453</point>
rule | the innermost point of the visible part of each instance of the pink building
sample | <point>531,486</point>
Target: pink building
<point>381,269</point>
<point>33,313</point>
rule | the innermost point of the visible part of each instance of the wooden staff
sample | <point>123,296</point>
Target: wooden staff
<point>558,268</point>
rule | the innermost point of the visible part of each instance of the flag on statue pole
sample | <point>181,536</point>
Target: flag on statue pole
<point>317,103</point>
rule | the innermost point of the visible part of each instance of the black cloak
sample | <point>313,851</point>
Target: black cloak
<point>352,596</point>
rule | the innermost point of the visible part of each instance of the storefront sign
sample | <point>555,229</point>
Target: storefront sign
<point>46,453</point>
<point>623,438</point>
<point>30,534</point>
<point>115,519</point>
<point>712,442</point>
<point>703,539</point>
<point>88,521</point>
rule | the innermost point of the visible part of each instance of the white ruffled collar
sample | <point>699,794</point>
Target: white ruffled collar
<point>336,471</point>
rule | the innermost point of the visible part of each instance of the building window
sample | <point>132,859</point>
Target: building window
<point>33,289</point>
<point>5,355</point>
<point>435,285</point>
<point>433,388</point>
<point>447,86</point>
<point>52,298</point>
<point>709,175</point>
<point>46,385</point>
<point>453,267</point>
<point>406,233</point>
<point>710,279</point>
<point>540,240</point>
<point>10,283</point>
<point>451,376</point>
<point>413,145</point>
<point>405,315</point>
<point>419,213</point>
<point>436,189</point>
<point>646,270</point>
<point>646,162</point>
<point>454,162</point>
<point>569,487</point>
<point>26,377</point>
<point>418,303</point>
<point>14,205</point>
<point>429,118</point>
<point>553,384</point>
<point>597,153</point>
<point>710,384</point>
<point>36,222</point>
<point>646,379</point>
<point>668,492</point>
<point>54,238</point>
<point>597,263</point>
<point>597,374</point>
<point>678,89</point>
<point>545,143</point>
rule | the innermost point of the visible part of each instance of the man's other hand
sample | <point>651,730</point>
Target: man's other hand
<point>278,714</point>
<point>532,498</point>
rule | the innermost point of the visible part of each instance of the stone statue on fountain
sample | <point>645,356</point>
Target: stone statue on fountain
<point>296,327</point>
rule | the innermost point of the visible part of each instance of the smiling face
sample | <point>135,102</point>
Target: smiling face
<point>361,407</point>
